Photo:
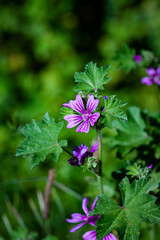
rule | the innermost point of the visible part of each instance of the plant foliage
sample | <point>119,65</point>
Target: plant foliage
<point>92,79</point>
<point>41,139</point>
<point>137,205</point>
<point>112,109</point>
<point>124,58</point>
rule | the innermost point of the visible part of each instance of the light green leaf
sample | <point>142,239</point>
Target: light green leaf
<point>137,206</point>
<point>41,139</point>
<point>112,109</point>
<point>92,79</point>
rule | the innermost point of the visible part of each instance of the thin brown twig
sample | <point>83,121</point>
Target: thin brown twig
<point>51,176</point>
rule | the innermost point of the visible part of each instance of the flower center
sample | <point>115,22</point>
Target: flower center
<point>85,116</point>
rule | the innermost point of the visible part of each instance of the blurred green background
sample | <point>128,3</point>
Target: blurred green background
<point>42,44</point>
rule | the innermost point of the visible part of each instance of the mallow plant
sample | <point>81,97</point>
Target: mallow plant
<point>92,110</point>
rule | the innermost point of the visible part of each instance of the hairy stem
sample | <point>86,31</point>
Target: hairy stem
<point>99,176</point>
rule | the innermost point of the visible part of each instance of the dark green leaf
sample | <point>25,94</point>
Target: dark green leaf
<point>41,139</point>
<point>137,206</point>
<point>112,109</point>
<point>92,79</point>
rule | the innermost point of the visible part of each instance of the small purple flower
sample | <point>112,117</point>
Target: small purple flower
<point>151,166</point>
<point>82,152</point>
<point>154,76</point>
<point>137,58</point>
<point>105,97</point>
<point>86,117</point>
<point>77,217</point>
<point>91,235</point>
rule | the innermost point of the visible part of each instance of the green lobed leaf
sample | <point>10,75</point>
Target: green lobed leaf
<point>131,134</point>
<point>41,139</point>
<point>65,111</point>
<point>124,58</point>
<point>92,79</point>
<point>112,109</point>
<point>137,206</point>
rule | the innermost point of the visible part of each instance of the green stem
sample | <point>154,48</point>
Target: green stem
<point>99,176</point>
<point>67,151</point>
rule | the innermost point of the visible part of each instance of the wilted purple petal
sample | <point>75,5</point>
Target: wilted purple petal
<point>110,237</point>
<point>90,235</point>
<point>77,105</point>
<point>151,72</point>
<point>137,58</point>
<point>83,127</point>
<point>94,204</point>
<point>92,104</point>
<point>94,147</point>
<point>73,120</point>
<point>93,118</point>
<point>147,81</point>
<point>84,205</point>
<point>73,162</point>
<point>77,227</point>
<point>79,152</point>
<point>66,105</point>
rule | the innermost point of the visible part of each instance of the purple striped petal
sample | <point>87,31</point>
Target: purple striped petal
<point>110,237</point>
<point>94,147</point>
<point>77,105</point>
<point>151,72</point>
<point>84,205</point>
<point>158,71</point>
<point>66,105</point>
<point>147,80</point>
<point>77,227</point>
<point>93,118</point>
<point>90,235</point>
<point>94,204</point>
<point>73,120</point>
<point>76,217</point>
<point>83,127</point>
<point>92,104</point>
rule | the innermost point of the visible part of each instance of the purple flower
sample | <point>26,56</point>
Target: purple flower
<point>137,58</point>
<point>77,217</point>
<point>154,76</point>
<point>86,117</point>
<point>91,235</point>
<point>151,166</point>
<point>105,97</point>
<point>82,152</point>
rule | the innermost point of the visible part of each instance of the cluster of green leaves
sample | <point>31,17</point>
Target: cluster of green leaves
<point>137,206</point>
<point>92,79</point>
<point>124,57</point>
<point>136,170</point>
<point>41,139</point>
<point>139,137</point>
<point>112,110</point>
